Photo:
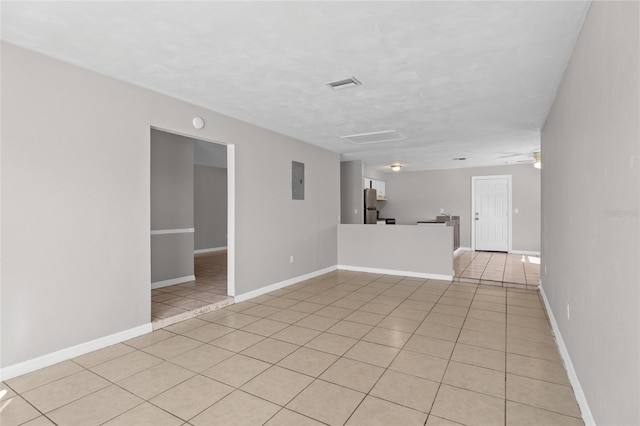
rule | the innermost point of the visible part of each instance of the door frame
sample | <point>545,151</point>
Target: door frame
<point>474,179</point>
<point>231,203</point>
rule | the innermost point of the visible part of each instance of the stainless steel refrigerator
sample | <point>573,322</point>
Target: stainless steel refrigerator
<point>370,206</point>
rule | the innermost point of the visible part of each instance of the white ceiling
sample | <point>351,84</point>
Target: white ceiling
<point>458,79</point>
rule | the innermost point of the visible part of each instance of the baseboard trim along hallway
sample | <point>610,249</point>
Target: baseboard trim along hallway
<point>43,361</point>
<point>173,281</point>
<point>209,250</point>
<point>525,252</point>
<point>276,286</point>
<point>587,417</point>
<point>395,272</point>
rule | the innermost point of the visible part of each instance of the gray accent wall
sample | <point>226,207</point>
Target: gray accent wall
<point>351,192</point>
<point>172,199</point>
<point>210,207</point>
<point>209,154</point>
<point>171,257</point>
<point>75,181</point>
<point>171,181</point>
<point>412,196</point>
<point>590,201</point>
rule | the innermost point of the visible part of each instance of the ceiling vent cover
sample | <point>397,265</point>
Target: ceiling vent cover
<point>374,137</point>
<point>344,84</point>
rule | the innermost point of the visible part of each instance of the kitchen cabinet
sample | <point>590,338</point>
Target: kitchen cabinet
<point>381,187</point>
<point>378,185</point>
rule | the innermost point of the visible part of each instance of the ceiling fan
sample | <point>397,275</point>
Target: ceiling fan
<point>531,158</point>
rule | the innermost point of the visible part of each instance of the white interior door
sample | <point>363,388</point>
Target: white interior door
<point>491,213</point>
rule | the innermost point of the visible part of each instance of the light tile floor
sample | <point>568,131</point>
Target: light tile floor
<point>509,270</point>
<point>209,287</point>
<point>343,348</point>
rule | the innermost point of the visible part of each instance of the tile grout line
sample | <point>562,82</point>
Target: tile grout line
<point>28,402</point>
<point>361,339</point>
<point>399,351</point>
<point>451,355</point>
<point>342,319</point>
<point>112,383</point>
<point>299,346</point>
<point>374,296</point>
<point>333,363</point>
<point>506,327</point>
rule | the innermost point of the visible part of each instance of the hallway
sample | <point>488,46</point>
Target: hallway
<point>501,269</point>
<point>210,287</point>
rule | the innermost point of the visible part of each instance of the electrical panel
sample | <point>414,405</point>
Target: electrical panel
<point>297,180</point>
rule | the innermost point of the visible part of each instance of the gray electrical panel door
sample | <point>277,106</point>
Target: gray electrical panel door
<point>297,180</point>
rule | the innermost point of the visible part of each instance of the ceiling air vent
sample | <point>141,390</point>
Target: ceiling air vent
<point>374,137</point>
<point>344,84</point>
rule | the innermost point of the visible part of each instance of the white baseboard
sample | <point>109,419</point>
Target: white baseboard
<point>173,231</point>
<point>281,284</point>
<point>396,272</point>
<point>587,417</point>
<point>43,361</point>
<point>525,252</point>
<point>209,250</point>
<point>172,281</point>
<point>461,249</point>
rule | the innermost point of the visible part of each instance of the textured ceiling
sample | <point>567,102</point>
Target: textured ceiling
<point>457,79</point>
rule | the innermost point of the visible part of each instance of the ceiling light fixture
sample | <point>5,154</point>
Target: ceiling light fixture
<point>396,167</point>
<point>538,161</point>
<point>344,84</point>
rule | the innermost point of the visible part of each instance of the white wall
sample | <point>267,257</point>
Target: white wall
<point>590,201</point>
<point>75,202</point>
<point>413,196</point>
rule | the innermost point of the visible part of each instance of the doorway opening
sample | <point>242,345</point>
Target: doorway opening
<point>491,213</point>
<point>192,224</point>
<point>498,269</point>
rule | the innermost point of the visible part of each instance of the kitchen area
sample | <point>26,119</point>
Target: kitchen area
<point>434,206</point>
<point>375,198</point>
<point>423,249</point>
<point>446,220</point>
